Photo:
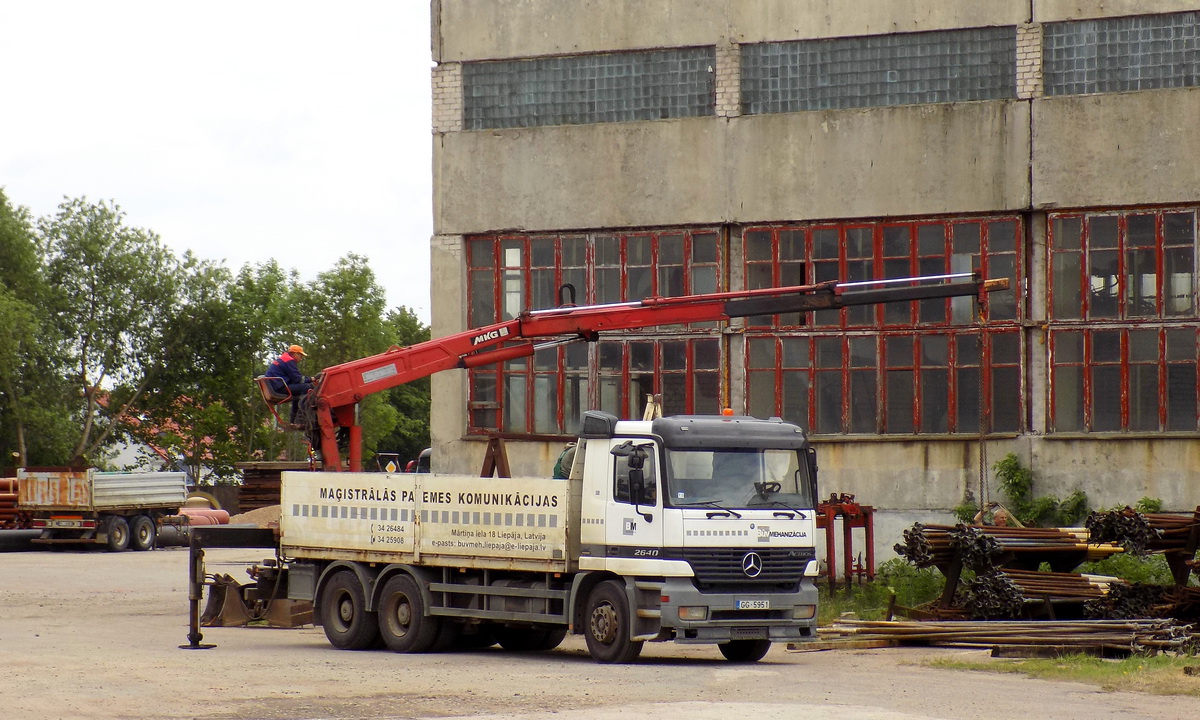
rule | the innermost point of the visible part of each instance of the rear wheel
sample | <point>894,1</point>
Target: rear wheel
<point>747,651</point>
<point>402,620</point>
<point>348,625</point>
<point>143,533</point>
<point>117,531</point>
<point>607,630</point>
<point>530,639</point>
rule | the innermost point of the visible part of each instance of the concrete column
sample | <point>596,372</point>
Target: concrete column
<point>448,311</point>
<point>1029,61</point>
<point>729,79</point>
<point>447,98</point>
<point>1037,339</point>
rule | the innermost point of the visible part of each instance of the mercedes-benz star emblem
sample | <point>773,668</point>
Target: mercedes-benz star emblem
<point>752,564</point>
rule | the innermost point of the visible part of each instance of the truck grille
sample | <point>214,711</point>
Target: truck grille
<point>723,566</point>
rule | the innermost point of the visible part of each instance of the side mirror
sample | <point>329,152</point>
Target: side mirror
<point>637,485</point>
<point>812,472</point>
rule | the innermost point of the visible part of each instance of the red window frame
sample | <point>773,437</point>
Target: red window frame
<point>1122,298</point>
<point>544,394</point>
<point>887,383</point>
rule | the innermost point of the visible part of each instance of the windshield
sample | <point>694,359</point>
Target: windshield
<point>737,478</point>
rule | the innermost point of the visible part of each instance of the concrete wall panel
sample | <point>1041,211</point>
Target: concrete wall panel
<point>581,176</point>
<point>493,29</point>
<point>1116,149</point>
<point>915,160</point>
<point>953,158</point>
<point>773,20</point>
<point>1045,11</point>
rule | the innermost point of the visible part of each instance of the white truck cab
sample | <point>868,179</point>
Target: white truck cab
<point>716,513</point>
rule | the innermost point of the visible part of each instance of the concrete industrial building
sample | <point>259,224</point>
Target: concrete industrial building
<point>638,147</point>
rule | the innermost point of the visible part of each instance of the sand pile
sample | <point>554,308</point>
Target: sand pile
<point>263,517</point>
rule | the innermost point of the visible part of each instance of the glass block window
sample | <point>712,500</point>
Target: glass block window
<point>939,382</point>
<point>610,87</point>
<point>1121,54</point>
<point>546,394</point>
<point>1123,265</point>
<point>879,70</point>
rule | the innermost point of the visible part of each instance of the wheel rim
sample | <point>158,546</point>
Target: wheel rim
<point>604,623</point>
<point>403,615</point>
<point>345,611</point>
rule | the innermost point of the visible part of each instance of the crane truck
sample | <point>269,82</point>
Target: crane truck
<point>692,529</point>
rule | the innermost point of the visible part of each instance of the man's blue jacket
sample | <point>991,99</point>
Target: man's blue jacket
<point>286,369</point>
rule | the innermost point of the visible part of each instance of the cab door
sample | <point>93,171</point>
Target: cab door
<point>634,521</point>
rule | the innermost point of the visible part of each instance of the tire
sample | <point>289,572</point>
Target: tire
<point>607,621</point>
<point>447,635</point>
<point>530,639</point>
<point>117,531</point>
<point>402,620</point>
<point>554,638</point>
<point>348,625</point>
<point>744,651</point>
<point>143,533</point>
<point>483,637</point>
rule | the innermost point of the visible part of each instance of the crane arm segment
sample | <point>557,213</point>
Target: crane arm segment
<point>341,387</point>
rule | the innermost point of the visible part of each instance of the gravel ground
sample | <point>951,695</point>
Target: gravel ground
<point>96,635</point>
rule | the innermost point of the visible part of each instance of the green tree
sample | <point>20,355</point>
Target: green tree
<point>34,423</point>
<point>343,314</point>
<point>117,305</point>
<point>411,400</point>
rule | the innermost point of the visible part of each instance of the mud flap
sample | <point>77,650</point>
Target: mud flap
<point>283,613</point>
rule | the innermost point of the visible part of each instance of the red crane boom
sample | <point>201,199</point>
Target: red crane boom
<point>340,388</point>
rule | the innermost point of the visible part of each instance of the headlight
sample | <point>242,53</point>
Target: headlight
<point>698,612</point>
<point>812,569</point>
<point>804,612</point>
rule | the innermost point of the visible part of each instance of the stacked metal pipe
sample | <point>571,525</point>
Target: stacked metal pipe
<point>1137,600</point>
<point>8,502</point>
<point>1142,533</point>
<point>981,547</point>
<point>1008,593</point>
<point>1121,635</point>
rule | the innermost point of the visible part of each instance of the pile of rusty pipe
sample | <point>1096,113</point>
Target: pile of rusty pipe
<point>1124,634</point>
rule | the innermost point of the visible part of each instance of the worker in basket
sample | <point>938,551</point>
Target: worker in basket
<point>286,378</point>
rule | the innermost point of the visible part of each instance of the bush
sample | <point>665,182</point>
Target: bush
<point>1016,481</point>
<point>1151,569</point>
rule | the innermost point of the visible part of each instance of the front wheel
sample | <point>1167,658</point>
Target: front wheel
<point>608,623</point>
<point>402,620</point>
<point>344,614</point>
<point>746,651</point>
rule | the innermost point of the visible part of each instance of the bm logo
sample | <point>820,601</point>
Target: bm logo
<point>489,336</point>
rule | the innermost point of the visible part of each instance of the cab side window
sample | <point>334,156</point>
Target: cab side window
<point>621,491</point>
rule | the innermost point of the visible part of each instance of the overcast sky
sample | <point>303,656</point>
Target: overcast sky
<point>241,130</point>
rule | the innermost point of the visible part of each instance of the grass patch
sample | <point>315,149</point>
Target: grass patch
<point>869,601</point>
<point>1157,675</point>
